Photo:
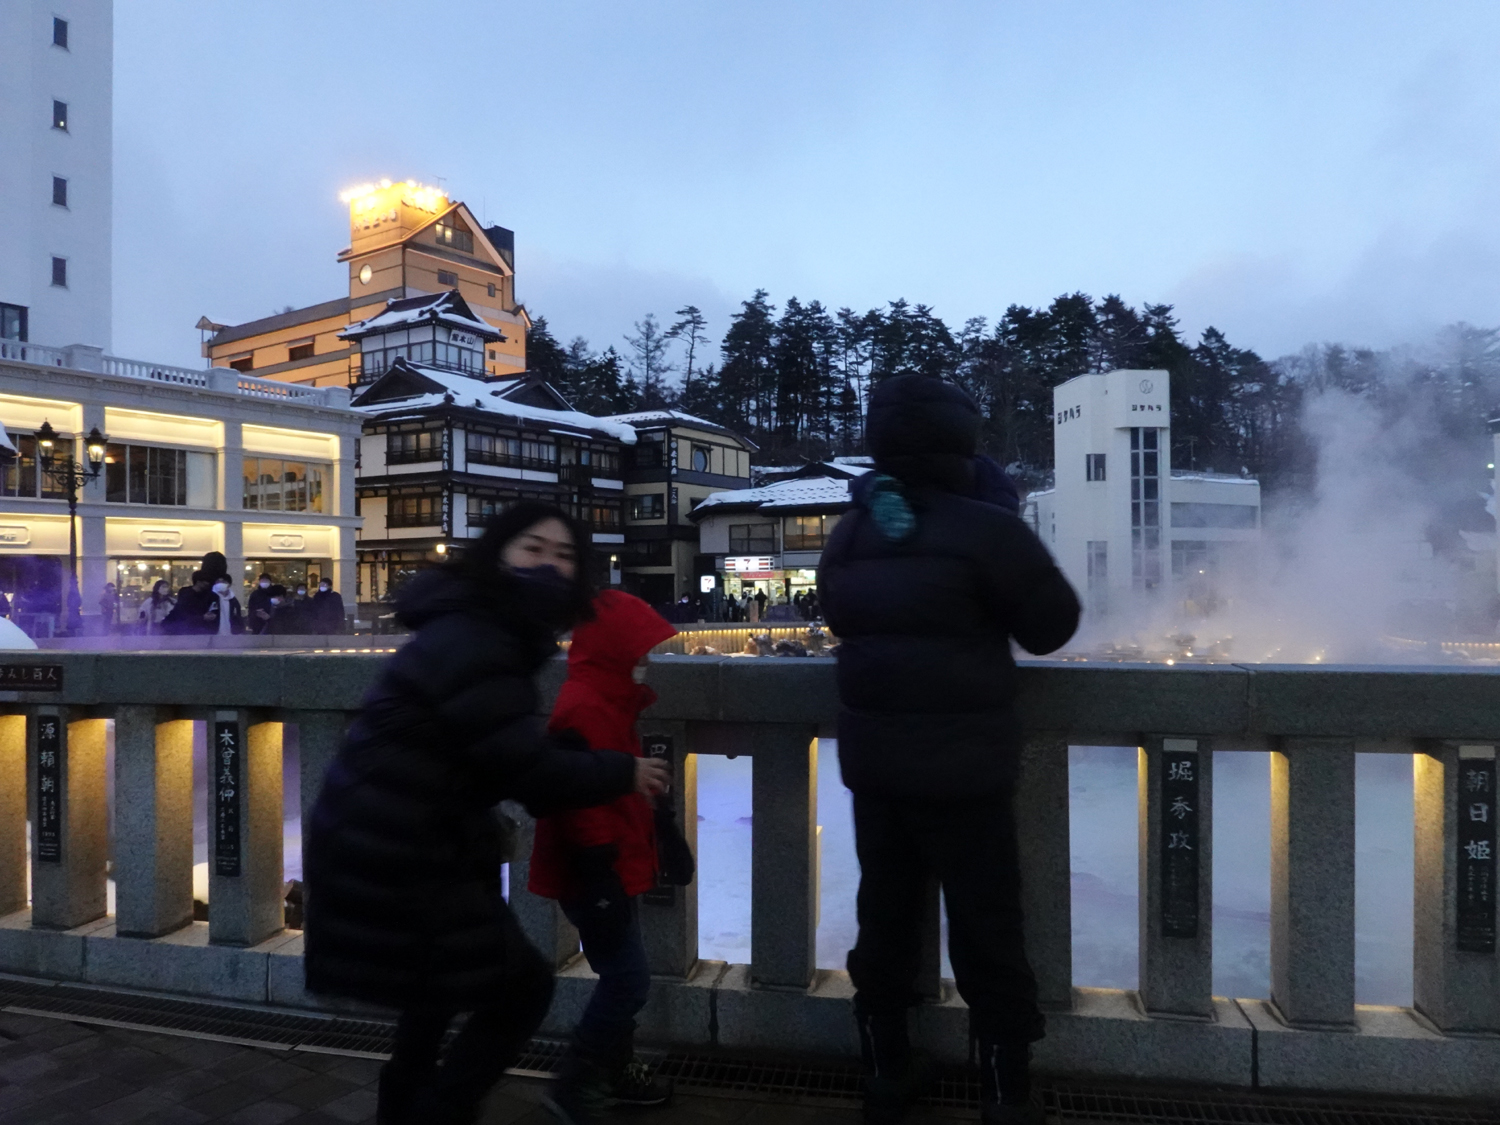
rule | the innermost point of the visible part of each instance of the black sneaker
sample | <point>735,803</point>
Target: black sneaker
<point>581,1093</point>
<point>636,1085</point>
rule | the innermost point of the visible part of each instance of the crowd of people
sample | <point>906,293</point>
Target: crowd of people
<point>926,581</point>
<point>207,606</point>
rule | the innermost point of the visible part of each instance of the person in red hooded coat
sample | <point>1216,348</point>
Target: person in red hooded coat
<point>596,861</point>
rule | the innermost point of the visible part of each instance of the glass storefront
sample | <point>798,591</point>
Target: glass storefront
<point>290,573</point>
<point>134,578</point>
<point>33,583</point>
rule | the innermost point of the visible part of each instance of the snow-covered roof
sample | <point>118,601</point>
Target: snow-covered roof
<point>1216,478</point>
<point>808,492</point>
<point>478,395</point>
<point>642,419</point>
<point>447,307</point>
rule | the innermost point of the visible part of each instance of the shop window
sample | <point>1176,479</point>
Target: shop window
<point>1093,466</point>
<point>752,539</point>
<point>413,446</point>
<point>276,485</point>
<point>652,506</point>
<point>805,533</point>
<point>519,452</point>
<point>60,272</point>
<point>60,115</point>
<point>19,476</point>
<point>60,32</point>
<point>59,191</point>
<point>145,474</point>
<point>446,277</point>
<point>299,351</point>
<point>414,511</point>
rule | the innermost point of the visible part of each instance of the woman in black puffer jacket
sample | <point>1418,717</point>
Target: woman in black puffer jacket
<point>403,863</point>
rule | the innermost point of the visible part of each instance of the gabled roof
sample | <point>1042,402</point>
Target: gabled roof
<point>409,388</point>
<point>804,494</point>
<point>644,419</point>
<point>447,307</point>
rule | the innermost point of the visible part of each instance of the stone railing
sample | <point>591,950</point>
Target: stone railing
<point>1309,1034</point>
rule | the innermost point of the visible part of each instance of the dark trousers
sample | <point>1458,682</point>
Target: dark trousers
<point>607,1026</point>
<point>490,1041</point>
<point>971,849</point>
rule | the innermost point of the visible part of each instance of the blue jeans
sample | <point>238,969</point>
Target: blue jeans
<point>604,1033</point>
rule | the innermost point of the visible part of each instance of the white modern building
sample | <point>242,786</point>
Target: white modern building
<point>56,80</point>
<point>1119,519</point>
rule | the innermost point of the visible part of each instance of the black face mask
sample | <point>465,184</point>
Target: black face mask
<point>548,591</point>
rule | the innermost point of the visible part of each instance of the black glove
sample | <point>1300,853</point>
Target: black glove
<point>601,908</point>
<point>674,859</point>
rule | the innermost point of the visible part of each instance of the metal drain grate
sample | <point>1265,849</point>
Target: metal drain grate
<point>1066,1101</point>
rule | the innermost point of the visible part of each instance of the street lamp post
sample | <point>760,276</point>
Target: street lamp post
<point>71,474</point>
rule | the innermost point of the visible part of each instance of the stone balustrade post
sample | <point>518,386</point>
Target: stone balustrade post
<point>70,819</point>
<point>541,919</point>
<point>1312,882</point>
<point>1041,804</point>
<point>1456,979</point>
<point>1175,799</point>
<point>319,736</point>
<point>13,792</point>
<point>783,848</point>
<point>153,850</point>
<point>244,829</point>
<point>669,915</point>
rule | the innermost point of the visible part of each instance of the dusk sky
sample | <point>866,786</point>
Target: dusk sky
<point>1286,172</point>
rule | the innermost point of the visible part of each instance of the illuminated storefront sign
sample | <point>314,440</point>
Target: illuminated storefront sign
<point>748,564</point>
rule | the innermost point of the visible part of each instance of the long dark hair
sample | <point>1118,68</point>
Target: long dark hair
<point>482,560</point>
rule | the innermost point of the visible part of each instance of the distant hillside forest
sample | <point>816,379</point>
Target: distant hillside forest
<point>796,379</point>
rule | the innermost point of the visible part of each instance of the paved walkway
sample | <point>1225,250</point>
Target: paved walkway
<point>54,1072</point>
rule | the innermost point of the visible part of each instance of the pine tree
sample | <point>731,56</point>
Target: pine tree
<point>649,366</point>
<point>689,326</point>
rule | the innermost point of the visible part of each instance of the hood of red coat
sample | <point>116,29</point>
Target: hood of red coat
<point>605,649</point>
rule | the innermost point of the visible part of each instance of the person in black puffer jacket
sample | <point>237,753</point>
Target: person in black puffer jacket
<point>404,903</point>
<point>925,582</point>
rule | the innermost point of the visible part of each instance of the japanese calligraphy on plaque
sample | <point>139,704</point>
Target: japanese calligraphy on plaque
<point>31,677</point>
<point>659,746</point>
<point>1179,838</point>
<point>1476,849</point>
<point>227,768</point>
<point>48,789</point>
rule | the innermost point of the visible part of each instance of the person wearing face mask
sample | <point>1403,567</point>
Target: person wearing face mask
<point>224,616</point>
<point>286,618</point>
<point>194,609</point>
<point>326,609</point>
<point>403,897</point>
<point>258,611</point>
<point>597,861</point>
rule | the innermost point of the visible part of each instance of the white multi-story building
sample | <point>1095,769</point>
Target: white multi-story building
<point>56,81</point>
<point>1119,519</point>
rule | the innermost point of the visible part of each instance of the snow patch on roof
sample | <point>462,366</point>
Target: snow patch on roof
<point>405,312</point>
<point>661,417</point>
<point>804,493</point>
<point>1217,478</point>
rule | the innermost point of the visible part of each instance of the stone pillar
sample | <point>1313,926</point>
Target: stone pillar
<point>783,849</point>
<point>669,915</point>
<point>1312,882</point>
<point>1041,804</point>
<point>1458,988</point>
<point>319,736</point>
<point>93,557</point>
<point>1175,798</point>
<point>13,789</point>
<point>153,823</point>
<point>70,831</point>
<point>244,829</point>
<point>231,500</point>
<point>541,919</point>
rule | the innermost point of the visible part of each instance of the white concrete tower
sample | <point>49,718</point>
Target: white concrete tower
<point>56,134</point>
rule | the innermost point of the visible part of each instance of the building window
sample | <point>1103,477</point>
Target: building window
<point>449,235</point>
<point>512,452</point>
<point>13,322</point>
<point>804,533</point>
<point>700,458</point>
<point>414,511</point>
<point>652,506</point>
<point>597,462</point>
<point>1094,466</point>
<point>19,476</point>
<point>60,33</point>
<point>1098,575</point>
<point>650,453</point>
<point>60,272</point>
<point>299,351</point>
<point>1145,507</point>
<point>601,515</point>
<point>490,288</point>
<point>145,474</point>
<point>59,115</point>
<point>276,485</point>
<point>1238,516</point>
<point>59,191</point>
<point>445,277</point>
<point>752,539</point>
<point>243,363</point>
<point>413,446</point>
